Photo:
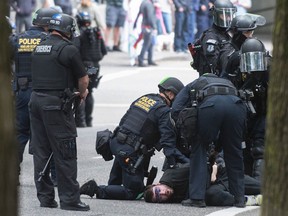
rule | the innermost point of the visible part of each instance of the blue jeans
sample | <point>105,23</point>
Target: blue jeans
<point>167,19</point>
<point>184,29</point>
<point>147,45</point>
<point>202,24</point>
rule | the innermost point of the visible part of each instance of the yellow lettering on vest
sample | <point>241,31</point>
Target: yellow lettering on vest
<point>29,41</point>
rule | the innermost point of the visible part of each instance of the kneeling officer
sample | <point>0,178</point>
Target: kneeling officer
<point>146,124</point>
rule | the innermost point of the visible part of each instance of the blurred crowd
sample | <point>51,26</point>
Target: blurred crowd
<point>178,22</point>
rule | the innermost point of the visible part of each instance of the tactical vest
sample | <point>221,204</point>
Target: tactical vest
<point>26,42</point>
<point>202,65</point>
<point>90,48</point>
<point>210,84</point>
<point>140,119</point>
<point>47,71</point>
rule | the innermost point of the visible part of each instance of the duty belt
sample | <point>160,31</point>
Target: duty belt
<point>129,139</point>
<point>57,93</point>
<point>216,90</point>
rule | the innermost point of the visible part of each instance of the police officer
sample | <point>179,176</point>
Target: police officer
<point>242,27</point>
<point>213,39</point>
<point>91,53</point>
<point>52,122</point>
<point>221,116</point>
<point>23,45</point>
<point>145,124</point>
<point>254,67</point>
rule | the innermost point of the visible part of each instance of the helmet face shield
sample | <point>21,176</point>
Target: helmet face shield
<point>223,16</point>
<point>253,61</point>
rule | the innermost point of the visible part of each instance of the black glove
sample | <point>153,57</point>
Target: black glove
<point>171,162</point>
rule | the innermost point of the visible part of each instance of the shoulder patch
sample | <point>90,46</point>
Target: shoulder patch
<point>210,48</point>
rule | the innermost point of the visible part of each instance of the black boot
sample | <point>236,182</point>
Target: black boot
<point>89,188</point>
<point>258,169</point>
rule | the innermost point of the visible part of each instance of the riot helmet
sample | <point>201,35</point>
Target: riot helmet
<point>64,24</point>
<point>253,56</point>
<point>223,12</point>
<point>246,22</point>
<point>83,19</point>
<point>171,84</point>
<point>43,16</point>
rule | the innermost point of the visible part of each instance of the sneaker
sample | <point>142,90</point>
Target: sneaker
<point>116,48</point>
<point>194,203</point>
<point>89,188</point>
<point>152,63</point>
<point>253,200</point>
<point>141,64</point>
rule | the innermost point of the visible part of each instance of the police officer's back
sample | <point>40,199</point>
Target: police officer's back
<point>23,46</point>
<point>221,116</point>
<point>57,69</point>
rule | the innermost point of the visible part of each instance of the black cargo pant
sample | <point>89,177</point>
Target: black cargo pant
<point>54,131</point>
<point>222,116</point>
<point>218,194</point>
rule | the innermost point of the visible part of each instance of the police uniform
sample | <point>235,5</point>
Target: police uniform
<point>145,124</point>
<point>56,66</point>
<point>257,84</point>
<point>91,53</point>
<point>221,116</point>
<point>256,125</point>
<point>23,45</point>
<point>212,42</point>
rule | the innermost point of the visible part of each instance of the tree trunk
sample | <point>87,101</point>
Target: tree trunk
<point>275,190</point>
<point>8,145</point>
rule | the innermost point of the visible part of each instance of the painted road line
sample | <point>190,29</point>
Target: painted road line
<point>232,211</point>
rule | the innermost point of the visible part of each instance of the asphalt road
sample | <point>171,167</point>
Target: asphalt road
<point>120,85</point>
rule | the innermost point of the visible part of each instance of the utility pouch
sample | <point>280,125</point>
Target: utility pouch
<point>121,137</point>
<point>187,123</point>
<point>23,83</point>
<point>103,144</point>
<point>68,149</point>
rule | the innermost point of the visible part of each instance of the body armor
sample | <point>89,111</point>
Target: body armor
<point>139,119</point>
<point>52,76</point>
<point>26,42</point>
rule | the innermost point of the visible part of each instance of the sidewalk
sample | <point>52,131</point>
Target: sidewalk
<point>115,58</point>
